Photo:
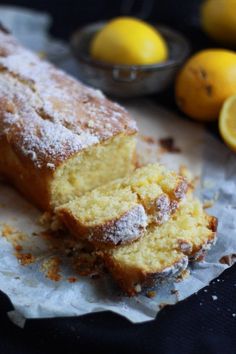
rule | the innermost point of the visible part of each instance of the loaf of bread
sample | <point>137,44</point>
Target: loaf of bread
<point>58,138</point>
<point>120,211</point>
<point>164,252</point>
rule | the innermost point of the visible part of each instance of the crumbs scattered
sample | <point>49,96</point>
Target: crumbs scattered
<point>229,259</point>
<point>214,297</point>
<point>87,264</point>
<point>72,279</point>
<point>25,258</point>
<point>208,203</point>
<point>168,145</point>
<point>148,139</point>
<point>18,248</point>
<point>12,235</point>
<point>175,292</point>
<point>51,268</point>
<point>185,274</point>
<point>82,259</point>
<point>7,230</point>
<point>151,294</point>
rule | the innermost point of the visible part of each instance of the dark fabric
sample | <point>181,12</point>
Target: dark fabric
<point>197,325</point>
<point>70,14</point>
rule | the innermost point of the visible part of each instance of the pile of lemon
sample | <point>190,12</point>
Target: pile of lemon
<point>206,86</point>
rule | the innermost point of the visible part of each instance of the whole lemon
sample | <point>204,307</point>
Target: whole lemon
<point>129,41</point>
<point>204,82</point>
<point>218,19</point>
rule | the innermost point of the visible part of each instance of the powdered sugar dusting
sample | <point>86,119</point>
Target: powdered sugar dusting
<point>10,44</point>
<point>58,136</point>
<point>163,209</point>
<point>181,189</point>
<point>57,115</point>
<point>42,141</point>
<point>130,226</point>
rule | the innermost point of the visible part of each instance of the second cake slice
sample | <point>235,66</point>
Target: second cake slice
<point>120,211</point>
<point>164,253</point>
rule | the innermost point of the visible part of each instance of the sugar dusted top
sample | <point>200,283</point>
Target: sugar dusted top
<point>47,115</point>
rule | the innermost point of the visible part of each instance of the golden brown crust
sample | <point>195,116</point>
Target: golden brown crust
<point>123,230</point>
<point>129,226</point>
<point>133,279</point>
<point>151,209</point>
<point>199,253</point>
<point>47,117</point>
<point>181,188</point>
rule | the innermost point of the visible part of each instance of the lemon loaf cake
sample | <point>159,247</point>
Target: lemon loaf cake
<point>163,252</point>
<point>119,211</point>
<point>58,138</point>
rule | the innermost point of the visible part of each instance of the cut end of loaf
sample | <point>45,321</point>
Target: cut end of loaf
<point>92,168</point>
<point>120,211</point>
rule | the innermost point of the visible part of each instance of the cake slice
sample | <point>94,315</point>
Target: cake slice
<point>120,211</point>
<point>163,252</point>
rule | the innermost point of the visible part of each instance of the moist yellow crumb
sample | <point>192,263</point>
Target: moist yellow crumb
<point>163,251</point>
<point>120,211</point>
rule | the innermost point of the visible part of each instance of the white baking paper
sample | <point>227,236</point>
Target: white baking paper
<point>33,295</point>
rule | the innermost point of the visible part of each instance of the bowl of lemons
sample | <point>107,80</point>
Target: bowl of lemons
<point>127,57</point>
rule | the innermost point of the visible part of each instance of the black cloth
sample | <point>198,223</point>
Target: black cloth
<point>197,325</point>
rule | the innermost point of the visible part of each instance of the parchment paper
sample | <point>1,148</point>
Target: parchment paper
<point>33,295</point>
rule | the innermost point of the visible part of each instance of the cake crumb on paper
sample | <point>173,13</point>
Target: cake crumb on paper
<point>148,139</point>
<point>25,258</point>
<point>175,292</point>
<point>168,145</point>
<point>51,268</point>
<point>72,279</point>
<point>208,203</point>
<point>229,259</point>
<point>151,294</point>
<point>7,230</point>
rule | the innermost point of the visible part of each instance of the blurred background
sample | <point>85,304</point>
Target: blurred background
<point>191,26</point>
<point>68,15</point>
